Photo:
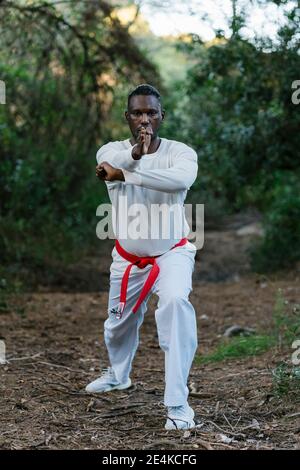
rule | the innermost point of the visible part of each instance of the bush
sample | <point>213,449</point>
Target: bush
<point>280,247</point>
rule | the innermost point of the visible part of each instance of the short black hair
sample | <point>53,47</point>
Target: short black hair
<point>144,89</point>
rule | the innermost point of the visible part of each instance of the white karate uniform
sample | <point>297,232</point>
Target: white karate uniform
<point>162,177</point>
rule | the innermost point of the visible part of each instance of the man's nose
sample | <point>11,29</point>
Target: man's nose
<point>145,118</point>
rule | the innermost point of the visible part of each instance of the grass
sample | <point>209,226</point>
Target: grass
<point>286,329</point>
<point>238,347</point>
<point>286,319</point>
<point>286,380</point>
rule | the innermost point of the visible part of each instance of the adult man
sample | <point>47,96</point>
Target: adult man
<point>150,170</point>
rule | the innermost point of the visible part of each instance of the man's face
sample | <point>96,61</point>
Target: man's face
<point>144,111</point>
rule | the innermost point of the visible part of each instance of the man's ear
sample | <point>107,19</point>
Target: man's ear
<point>163,113</point>
<point>126,115</point>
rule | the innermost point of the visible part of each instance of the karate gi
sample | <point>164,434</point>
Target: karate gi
<point>162,177</point>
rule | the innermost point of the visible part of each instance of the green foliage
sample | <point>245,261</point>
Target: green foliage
<point>286,320</point>
<point>10,287</point>
<point>280,247</point>
<point>286,375</point>
<point>61,63</point>
<point>238,347</point>
<point>285,330</point>
<point>68,67</point>
<point>235,109</point>
<point>241,119</point>
<point>286,380</point>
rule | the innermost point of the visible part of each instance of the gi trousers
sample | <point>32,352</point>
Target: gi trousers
<point>175,319</point>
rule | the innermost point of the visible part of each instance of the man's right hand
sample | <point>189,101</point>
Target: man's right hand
<point>143,143</point>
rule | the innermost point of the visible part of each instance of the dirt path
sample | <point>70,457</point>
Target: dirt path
<point>56,347</point>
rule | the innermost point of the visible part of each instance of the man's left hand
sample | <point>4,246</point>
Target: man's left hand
<point>106,172</point>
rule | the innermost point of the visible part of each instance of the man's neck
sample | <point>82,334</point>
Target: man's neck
<point>153,146</point>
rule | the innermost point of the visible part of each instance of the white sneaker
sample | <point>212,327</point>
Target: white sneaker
<point>180,417</point>
<point>106,383</point>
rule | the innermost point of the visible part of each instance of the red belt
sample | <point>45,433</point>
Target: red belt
<point>140,262</point>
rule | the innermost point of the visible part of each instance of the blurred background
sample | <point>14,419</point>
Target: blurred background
<point>225,70</point>
<point>229,75</point>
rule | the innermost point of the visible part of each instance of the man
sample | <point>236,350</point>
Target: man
<point>151,171</point>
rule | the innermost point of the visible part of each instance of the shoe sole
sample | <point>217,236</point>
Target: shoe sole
<point>112,387</point>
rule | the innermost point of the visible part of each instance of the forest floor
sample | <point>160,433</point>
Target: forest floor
<point>54,347</point>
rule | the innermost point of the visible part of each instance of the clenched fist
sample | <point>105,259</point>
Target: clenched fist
<point>107,172</point>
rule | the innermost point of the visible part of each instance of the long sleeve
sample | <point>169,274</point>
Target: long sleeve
<point>111,153</point>
<point>178,177</point>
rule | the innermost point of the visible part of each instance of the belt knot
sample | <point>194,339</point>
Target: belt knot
<point>141,263</point>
